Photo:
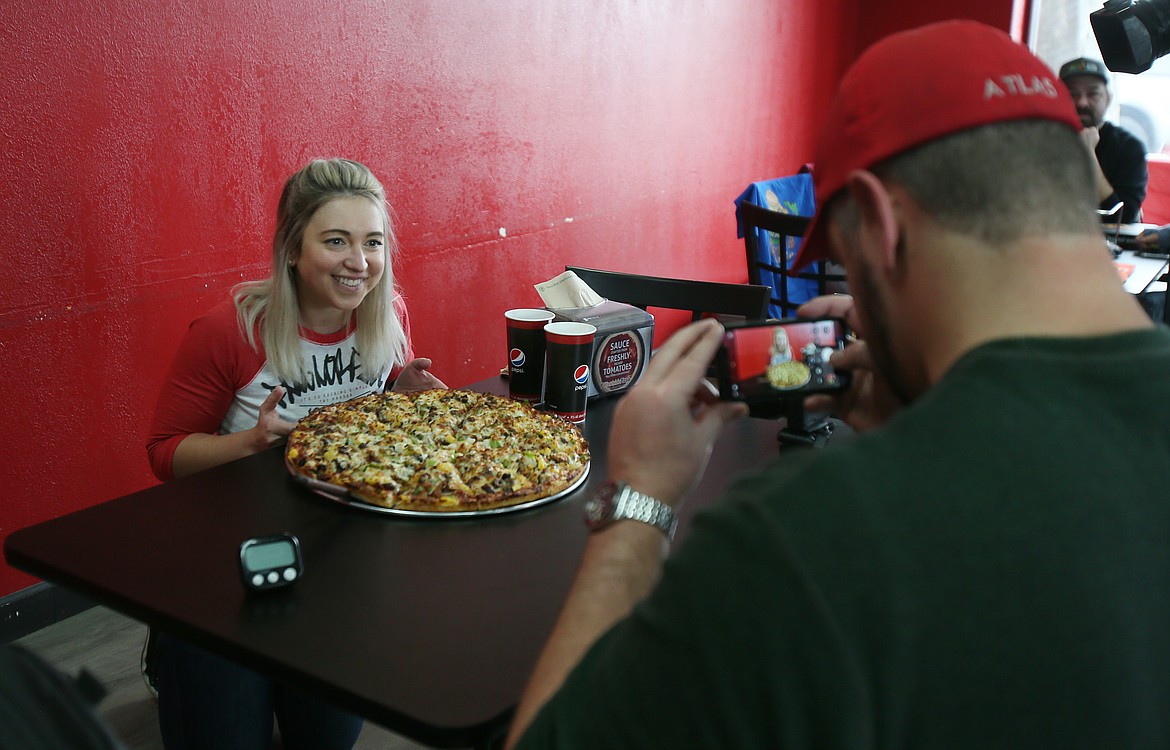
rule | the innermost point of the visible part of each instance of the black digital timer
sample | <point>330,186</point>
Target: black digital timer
<point>269,562</point>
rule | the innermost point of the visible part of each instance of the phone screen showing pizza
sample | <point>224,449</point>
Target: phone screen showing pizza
<point>781,359</point>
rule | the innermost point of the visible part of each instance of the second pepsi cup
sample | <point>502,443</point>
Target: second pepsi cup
<point>526,342</point>
<point>566,381</point>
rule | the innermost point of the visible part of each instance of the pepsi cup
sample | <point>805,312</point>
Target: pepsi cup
<point>526,352</point>
<point>566,381</point>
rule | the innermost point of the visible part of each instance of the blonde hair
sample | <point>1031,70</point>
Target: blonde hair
<point>270,307</point>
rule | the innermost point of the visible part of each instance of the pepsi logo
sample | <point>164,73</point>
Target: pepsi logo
<point>581,374</point>
<point>517,357</point>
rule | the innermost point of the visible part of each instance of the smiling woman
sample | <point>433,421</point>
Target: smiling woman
<point>341,259</point>
<point>325,195</point>
<point>326,326</point>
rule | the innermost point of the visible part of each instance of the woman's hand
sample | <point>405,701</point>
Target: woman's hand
<point>868,402</point>
<point>200,451</point>
<point>270,428</point>
<point>415,377</point>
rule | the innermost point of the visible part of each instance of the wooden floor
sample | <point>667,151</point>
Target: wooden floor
<point>110,647</point>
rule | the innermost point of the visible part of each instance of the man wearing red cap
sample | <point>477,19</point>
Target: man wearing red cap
<point>1119,157</point>
<point>987,564</point>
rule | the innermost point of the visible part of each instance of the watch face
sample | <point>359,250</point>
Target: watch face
<point>595,510</point>
<point>599,508</point>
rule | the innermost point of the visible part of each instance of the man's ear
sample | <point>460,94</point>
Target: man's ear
<point>878,231</point>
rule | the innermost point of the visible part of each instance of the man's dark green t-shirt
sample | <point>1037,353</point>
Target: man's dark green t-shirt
<point>991,569</point>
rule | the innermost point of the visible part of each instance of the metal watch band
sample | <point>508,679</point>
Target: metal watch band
<point>624,503</point>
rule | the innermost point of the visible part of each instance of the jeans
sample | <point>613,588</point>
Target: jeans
<point>206,701</point>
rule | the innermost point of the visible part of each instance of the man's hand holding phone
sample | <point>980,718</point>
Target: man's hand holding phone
<point>664,428</point>
<point>868,402</point>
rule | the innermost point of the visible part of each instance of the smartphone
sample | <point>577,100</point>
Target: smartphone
<point>778,360</point>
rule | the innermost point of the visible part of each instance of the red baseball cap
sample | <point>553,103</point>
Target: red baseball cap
<point>920,85</point>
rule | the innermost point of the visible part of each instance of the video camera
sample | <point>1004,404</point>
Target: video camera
<point>1132,34</point>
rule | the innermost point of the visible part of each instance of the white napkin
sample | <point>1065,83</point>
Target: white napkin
<point>567,291</point>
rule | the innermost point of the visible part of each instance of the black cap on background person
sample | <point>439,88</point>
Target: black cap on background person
<point>1084,66</point>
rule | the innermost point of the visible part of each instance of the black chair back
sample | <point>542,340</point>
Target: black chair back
<point>784,225</point>
<point>749,301</point>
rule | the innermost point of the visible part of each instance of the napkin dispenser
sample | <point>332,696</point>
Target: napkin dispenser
<point>621,348</point>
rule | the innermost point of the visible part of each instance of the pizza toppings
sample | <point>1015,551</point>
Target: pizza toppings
<point>438,450</point>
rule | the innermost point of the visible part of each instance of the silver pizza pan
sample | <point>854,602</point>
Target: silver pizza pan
<point>341,495</point>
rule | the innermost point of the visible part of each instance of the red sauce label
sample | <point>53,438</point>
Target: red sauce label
<point>617,361</point>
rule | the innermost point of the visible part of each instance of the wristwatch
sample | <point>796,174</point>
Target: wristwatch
<point>616,501</point>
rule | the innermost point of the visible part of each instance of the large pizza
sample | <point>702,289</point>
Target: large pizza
<point>438,451</point>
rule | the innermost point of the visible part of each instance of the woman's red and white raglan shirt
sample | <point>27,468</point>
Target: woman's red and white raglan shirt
<point>218,381</point>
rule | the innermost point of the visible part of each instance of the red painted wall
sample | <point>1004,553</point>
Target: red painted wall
<point>146,143</point>
<point>1156,206</point>
<point>877,20</point>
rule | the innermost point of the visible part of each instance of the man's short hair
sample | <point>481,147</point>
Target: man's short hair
<point>996,183</point>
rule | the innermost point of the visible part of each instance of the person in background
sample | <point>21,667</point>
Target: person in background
<point>1119,157</point>
<point>1154,240</point>
<point>985,565</point>
<point>326,326</point>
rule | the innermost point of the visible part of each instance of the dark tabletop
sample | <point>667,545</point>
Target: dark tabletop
<point>428,627</point>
